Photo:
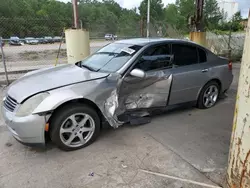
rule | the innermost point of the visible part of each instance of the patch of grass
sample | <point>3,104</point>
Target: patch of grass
<point>29,55</point>
<point>63,53</point>
<point>34,57</point>
<point>43,55</point>
<point>97,40</point>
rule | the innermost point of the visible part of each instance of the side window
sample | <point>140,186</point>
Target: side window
<point>154,58</point>
<point>202,56</point>
<point>184,54</point>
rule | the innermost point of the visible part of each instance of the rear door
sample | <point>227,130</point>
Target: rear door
<point>190,72</point>
<point>153,90</point>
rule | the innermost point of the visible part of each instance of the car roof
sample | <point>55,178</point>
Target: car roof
<point>146,41</point>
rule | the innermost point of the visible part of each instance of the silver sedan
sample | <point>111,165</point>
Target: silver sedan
<point>120,83</point>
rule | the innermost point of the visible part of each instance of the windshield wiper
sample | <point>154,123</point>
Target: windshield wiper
<point>87,67</point>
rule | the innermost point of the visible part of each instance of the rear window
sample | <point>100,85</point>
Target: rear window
<point>202,56</point>
<point>184,54</point>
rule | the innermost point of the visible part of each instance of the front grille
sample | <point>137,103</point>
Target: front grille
<point>10,103</point>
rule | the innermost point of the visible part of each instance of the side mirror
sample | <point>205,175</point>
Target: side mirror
<point>138,73</point>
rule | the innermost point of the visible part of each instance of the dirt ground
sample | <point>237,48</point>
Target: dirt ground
<point>41,52</point>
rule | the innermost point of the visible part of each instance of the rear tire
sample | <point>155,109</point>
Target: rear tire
<point>74,126</point>
<point>209,95</point>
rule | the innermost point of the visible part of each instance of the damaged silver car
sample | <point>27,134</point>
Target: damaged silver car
<point>122,81</point>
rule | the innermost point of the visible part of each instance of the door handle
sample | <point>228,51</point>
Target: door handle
<point>204,70</point>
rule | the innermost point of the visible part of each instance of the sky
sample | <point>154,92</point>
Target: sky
<point>244,5</point>
<point>136,3</point>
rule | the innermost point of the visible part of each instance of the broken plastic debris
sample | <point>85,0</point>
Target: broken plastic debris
<point>91,174</point>
<point>8,144</point>
<point>124,166</point>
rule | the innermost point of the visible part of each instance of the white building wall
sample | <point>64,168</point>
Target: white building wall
<point>230,7</point>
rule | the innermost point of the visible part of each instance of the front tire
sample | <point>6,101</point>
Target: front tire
<point>209,95</point>
<point>74,126</point>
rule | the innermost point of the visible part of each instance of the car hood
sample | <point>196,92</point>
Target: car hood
<point>50,78</point>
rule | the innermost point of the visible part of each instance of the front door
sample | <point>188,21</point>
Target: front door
<point>152,90</point>
<point>189,73</point>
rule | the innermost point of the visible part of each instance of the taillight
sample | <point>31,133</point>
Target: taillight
<point>230,65</point>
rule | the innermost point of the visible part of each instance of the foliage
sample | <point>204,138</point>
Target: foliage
<point>233,25</point>
<point>33,17</point>
<point>212,14</point>
<point>156,9</point>
<point>177,15</point>
<point>39,18</point>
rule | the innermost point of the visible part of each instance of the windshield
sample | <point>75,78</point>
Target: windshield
<point>111,57</point>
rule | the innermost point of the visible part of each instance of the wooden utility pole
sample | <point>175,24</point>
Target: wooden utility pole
<point>148,19</point>
<point>75,12</point>
<point>77,39</point>
<point>142,27</point>
<point>238,173</point>
<point>199,15</point>
<point>198,35</point>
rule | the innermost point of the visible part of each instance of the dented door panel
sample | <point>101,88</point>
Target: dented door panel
<point>151,91</point>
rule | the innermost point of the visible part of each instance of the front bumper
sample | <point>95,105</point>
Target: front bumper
<point>28,130</point>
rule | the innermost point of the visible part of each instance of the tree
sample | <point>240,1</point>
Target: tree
<point>234,24</point>
<point>39,18</point>
<point>212,14</point>
<point>173,17</point>
<point>179,13</point>
<point>156,10</point>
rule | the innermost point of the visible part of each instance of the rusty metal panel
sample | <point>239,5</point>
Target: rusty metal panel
<point>238,174</point>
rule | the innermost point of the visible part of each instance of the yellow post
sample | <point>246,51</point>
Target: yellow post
<point>77,44</point>
<point>238,173</point>
<point>198,37</point>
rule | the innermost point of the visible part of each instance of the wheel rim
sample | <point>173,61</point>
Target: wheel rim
<point>210,96</point>
<point>77,130</point>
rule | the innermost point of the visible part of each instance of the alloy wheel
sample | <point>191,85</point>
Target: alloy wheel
<point>210,96</point>
<point>77,130</point>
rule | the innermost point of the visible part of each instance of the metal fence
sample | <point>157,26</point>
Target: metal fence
<point>230,46</point>
<point>42,49</point>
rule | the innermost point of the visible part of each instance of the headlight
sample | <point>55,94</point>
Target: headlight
<point>30,105</point>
